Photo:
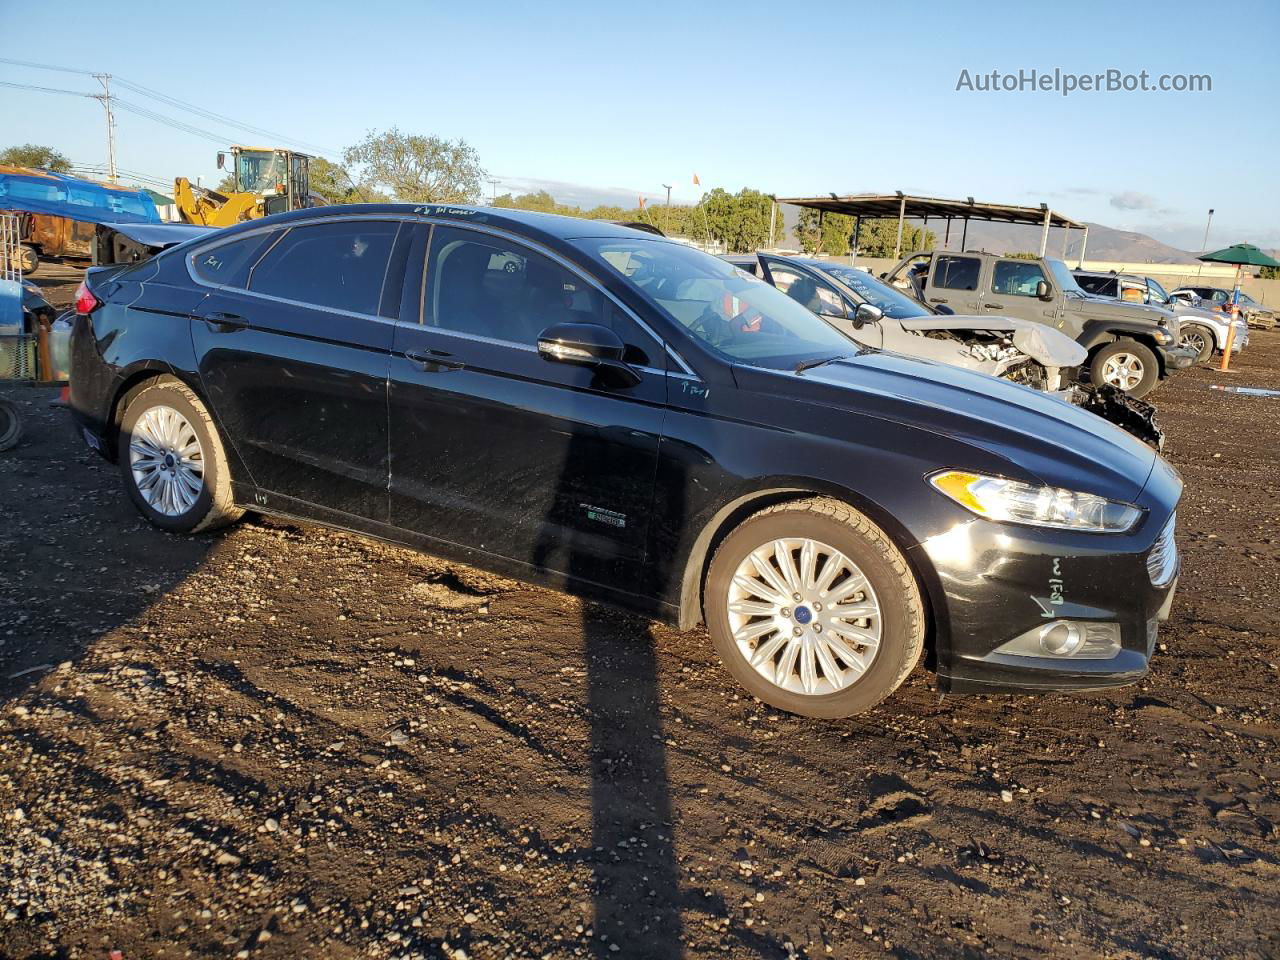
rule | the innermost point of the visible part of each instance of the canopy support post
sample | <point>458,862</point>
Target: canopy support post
<point>1044,231</point>
<point>1084,242</point>
<point>902,212</point>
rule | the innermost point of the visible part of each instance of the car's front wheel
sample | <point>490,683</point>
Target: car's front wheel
<point>174,467</point>
<point>1127,364</point>
<point>1198,338</point>
<point>813,609</point>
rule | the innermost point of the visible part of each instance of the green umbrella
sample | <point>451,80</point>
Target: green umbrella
<point>1241,254</point>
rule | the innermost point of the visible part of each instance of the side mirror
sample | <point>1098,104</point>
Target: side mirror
<point>866,313</point>
<point>222,160</point>
<point>1042,290</point>
<point>587,345</point>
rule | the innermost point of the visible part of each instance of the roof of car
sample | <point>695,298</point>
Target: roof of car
<point>518,221</point>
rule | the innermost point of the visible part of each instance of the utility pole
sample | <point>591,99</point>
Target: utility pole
<point>105,99</point>
<point>1204,247</point>
<point>667,217</point>
<point>494,185</point>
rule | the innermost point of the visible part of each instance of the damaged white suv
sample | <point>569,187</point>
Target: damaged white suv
<point>875,314</point>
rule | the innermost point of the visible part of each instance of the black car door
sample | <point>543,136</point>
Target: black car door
<point>293,356</point>
<point>497,449</point>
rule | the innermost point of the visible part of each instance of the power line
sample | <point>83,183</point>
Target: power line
<point>171,101</point>
<point>32,86</point>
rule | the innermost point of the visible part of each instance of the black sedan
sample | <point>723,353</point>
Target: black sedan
<point>630,419</point>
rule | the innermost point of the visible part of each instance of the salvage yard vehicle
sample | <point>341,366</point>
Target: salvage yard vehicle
<point>1216,298</point>
<point>1130,345</point>
<point>873,313</point>
<point>639,422</point>
<point>265,180</point>
<point>1199,329</point>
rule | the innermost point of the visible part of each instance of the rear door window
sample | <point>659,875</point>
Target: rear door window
<point>956,273</point>
<point>1016,278</point>
<point>339,265</point>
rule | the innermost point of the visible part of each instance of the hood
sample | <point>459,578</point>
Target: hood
<point>1109,307</point>
<point>1037,340</point>
<point>1038,434</point>
<point>1199,313</point>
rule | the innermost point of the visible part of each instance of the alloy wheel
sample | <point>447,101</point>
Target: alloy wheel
<point>1123,370</point>
<point>804,616</point>
<point>166,460</point>
<point>1194,339</point>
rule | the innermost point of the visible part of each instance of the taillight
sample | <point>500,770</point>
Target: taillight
<point>86,302</point>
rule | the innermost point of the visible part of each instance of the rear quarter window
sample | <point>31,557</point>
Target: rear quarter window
<point>228,264</point>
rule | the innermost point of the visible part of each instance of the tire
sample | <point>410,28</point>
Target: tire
<point>1127,364</point>
<point>27,259</point>
<point>830,528</point>
<point>1199,337</point>
<point>161,421</point>
<point>10,425</point>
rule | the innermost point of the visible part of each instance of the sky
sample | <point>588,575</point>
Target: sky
<point>601,103</point>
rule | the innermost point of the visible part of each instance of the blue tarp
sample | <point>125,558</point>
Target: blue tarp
<point>59,195</point>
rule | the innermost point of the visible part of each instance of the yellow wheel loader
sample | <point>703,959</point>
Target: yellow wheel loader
<point>266,180</point>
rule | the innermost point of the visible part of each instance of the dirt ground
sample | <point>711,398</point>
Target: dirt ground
<point>282,742</point>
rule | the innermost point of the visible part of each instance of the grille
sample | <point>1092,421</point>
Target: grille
<point>1162,561</point>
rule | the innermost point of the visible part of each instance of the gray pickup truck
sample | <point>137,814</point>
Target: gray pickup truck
<point>1130,346</point>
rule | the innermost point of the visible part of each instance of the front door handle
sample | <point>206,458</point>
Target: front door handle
<point>225,322</point>
<point>937,299</point>
<point>993,306</point>
<point>434,361</point>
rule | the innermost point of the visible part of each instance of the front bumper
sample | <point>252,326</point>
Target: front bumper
<point>1177,358</point>
<point>1001,581</point>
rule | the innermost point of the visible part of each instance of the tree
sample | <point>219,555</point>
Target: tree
<point>738,220</point>
<point>837,232</point>
<point>1021,255</point>
<point>879,238</point>
<point>34,155</point>
<point>335,183</point>
<point>1269,273</point>
<point>417,168</point>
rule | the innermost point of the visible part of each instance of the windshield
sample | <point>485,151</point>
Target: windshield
<point>1157,291</point>
<point>893,302</point>
<point>1064,278</point>
<point>740,317</point>
<point>260,171</point>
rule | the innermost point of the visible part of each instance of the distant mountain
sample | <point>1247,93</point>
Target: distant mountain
<point>1105,243</point>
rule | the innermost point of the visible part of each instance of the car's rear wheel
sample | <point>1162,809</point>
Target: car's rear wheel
<point>172,459</point>
<point>1199,338</point>
<point>813,609</point>
<point>10,425</point>
<point>1128,365</point>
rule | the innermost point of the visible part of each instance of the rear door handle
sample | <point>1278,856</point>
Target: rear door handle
<point>993,306</point>
<point>434,361</point>
<point>937,299</point>
<point>225,322</point>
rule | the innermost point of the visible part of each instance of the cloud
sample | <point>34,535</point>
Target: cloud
<point>1133,200</point>
<point>577,194</point>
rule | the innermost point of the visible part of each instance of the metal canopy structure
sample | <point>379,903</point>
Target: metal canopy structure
<point>902,207</point>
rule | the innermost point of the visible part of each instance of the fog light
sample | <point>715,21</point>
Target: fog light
<point>1061,639</point>
<point>1075,639</point>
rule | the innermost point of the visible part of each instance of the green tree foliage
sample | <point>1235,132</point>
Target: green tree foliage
<point>677,221</point>
<point>1269,273</point>
<point>837,232</point>
<point>738,220</point>
<point>878,238</point>
<point>34,155</point>
<point>416,168</point>
<point>1022,255</point>
<point>335,183</point>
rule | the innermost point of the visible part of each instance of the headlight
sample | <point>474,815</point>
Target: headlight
<point>1163,336</point>
<point>1009,501</point>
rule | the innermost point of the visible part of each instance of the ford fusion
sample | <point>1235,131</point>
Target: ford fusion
<point>613,414</point>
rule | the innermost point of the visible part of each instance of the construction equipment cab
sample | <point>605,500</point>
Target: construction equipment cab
<point>266,181</point>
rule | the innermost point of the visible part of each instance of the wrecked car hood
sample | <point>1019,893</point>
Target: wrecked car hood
<point>1038,341</point>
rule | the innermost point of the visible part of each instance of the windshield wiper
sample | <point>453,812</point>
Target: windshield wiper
<point>804,365</point>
